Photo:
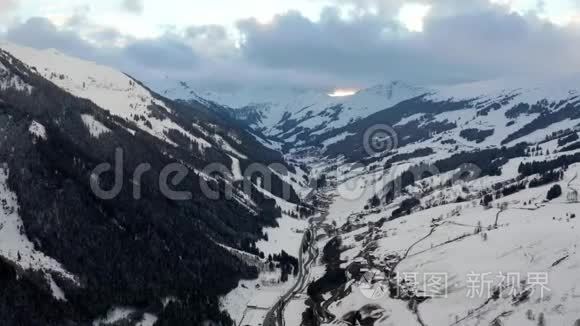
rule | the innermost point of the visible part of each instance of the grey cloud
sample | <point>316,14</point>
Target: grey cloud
<point>161,52</point>
<point>7,5</point>
<point>108,37</point>
<point>365,48</point>
<point>211,41</point>
<point>504,43</point>
<point>485,42</point>
<point>293,41</point>
<point>133,6</point>
<point>40,33</point>
<point>459,43</point>
<point>146,59</point>
<point>154,60</point>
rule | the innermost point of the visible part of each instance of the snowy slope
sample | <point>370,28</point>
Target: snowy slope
<point>313,111</point>
<point>127,99</point>
<point>520,234</point>
<point>106,87</point>
<point>443,233</point>
<point>11,81</point>
<point>58,154</point>
<point>523,246</point>
<point>535,244</point>
<point>312,119</point>
<point>497,100</point>
<point>15,245</point>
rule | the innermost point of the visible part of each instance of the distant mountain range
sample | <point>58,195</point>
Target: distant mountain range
<point>479,114</point>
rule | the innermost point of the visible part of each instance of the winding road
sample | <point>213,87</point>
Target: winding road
<point>275,316</point>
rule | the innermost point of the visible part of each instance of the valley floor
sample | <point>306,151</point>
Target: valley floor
<point>515,263</point>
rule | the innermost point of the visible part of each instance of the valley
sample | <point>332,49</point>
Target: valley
<point>484,266</point>
<point>395,205</point>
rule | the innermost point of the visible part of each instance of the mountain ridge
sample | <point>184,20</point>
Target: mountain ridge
<point>55,128</point>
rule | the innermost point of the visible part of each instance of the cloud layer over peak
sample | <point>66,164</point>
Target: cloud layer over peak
<point>461,41</point>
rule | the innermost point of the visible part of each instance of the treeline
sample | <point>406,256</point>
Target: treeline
<point>541,167</point>
<point>471,165</point>
<point>554,192</point>
<point>489,161</point>
<point>288,264</point>
<point>546,118</point>
<point>405,208</point>
<point>408,133</point>
<point>568,139</point>
<point>571,147</point>
<point>512,189</point>
<point>546,178</point>
<point>540,107</point>
<point>421,152</point>
<point>476,135</point>
<point>334,276</point>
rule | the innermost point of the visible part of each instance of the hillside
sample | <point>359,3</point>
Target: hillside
<point>468,184</point>
<point>295,208</point>
<point>73,255</point>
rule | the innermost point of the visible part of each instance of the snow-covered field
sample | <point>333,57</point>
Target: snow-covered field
<point>252,299</point>
<point>287,236</point>
<point>530,260</point>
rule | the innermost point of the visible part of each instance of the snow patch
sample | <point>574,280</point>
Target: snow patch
<point>236,169</point>
<point>96,128</point>
<point>340,137</point>
<point>37,130</point>
<point>114,315</point>
<point>147,320</point>
<point>10,81</point>
<point>287,236</point>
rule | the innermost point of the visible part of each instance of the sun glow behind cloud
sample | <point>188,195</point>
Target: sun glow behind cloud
<point>412,15</point>
<point>342,92</point>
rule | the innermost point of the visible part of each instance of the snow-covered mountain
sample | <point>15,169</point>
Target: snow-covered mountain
<point>289,115</point>
<point>478,114</point>
<point>386,188</point>
<point>468,116</point>
<point>71,255</point>
<point>474,184</point>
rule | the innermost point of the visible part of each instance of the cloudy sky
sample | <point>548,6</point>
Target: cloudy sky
<point>306,43</point>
